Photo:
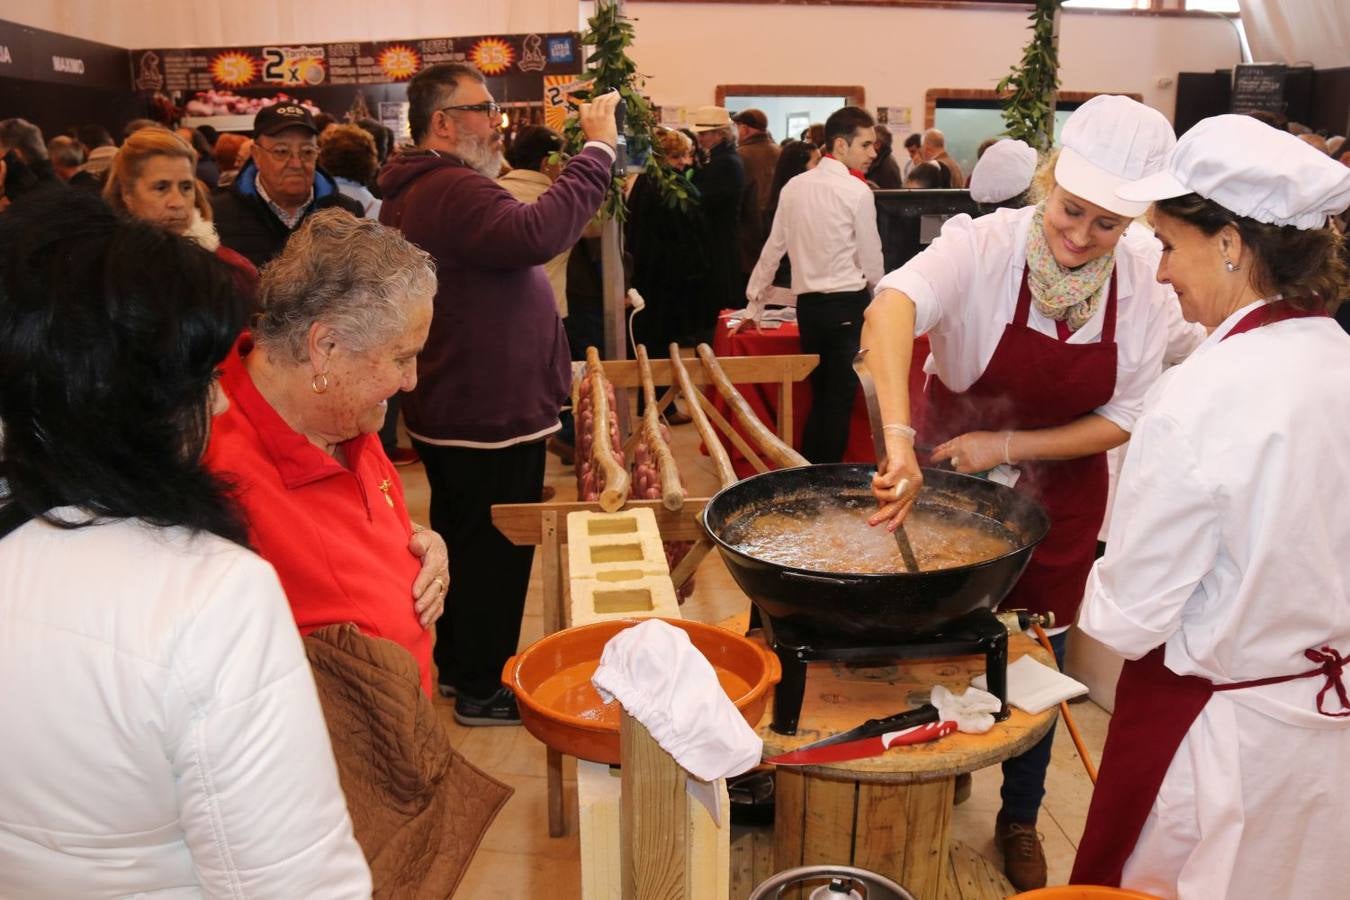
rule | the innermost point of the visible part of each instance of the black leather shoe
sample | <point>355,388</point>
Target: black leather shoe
<point>499,709</point>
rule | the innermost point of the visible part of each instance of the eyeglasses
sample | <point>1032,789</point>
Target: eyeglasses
<point>307,153</point>
<point>492,109</point>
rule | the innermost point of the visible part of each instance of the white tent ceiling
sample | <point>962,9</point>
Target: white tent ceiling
<point>207,23</point>
<point>1301,31</point>
<point>1298,31</point>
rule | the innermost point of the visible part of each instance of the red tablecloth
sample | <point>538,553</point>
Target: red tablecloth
<point>763,398</point>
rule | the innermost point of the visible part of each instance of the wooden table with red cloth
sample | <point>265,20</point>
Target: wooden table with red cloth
<point>763,398</point>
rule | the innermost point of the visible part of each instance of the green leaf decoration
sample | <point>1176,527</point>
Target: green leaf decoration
<point>1030,87</point>
<point>610,67</point>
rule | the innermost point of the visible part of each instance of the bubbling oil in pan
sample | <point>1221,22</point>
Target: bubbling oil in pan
<point>832,535</point>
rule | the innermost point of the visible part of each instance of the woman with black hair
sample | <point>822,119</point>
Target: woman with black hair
<point>927,176</point>
<point>796,157</point>
<point>162,727</point>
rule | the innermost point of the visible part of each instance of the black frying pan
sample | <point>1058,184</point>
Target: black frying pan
<point>868,607</point>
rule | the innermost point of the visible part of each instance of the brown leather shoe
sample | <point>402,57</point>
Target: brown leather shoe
<point>1023,856</point>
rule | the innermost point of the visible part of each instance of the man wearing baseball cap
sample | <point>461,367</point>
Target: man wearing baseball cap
<point>279,187</point>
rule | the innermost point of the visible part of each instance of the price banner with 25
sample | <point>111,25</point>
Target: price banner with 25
<point>356,62</point>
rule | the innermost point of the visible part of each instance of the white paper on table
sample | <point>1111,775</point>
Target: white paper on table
<point>1034,687</point>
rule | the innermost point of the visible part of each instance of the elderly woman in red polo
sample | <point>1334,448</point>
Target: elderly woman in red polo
<point>346,309</point>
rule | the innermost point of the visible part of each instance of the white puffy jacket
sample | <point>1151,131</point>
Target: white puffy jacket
<point>160,734</point>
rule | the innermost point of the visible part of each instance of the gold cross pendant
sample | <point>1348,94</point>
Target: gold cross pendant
<point>384,489</point>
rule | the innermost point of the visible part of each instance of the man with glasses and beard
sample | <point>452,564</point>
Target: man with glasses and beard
<point>496,367</point>
<point>279,187</point>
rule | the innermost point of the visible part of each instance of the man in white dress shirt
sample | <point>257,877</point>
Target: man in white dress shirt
<point>827,224</point>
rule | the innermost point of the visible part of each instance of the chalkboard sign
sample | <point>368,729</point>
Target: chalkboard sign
<point>1258,87</point>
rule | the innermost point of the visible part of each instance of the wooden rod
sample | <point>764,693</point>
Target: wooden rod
<point>645,375</point>
<point>684,569</point>
<point>672,490</point>
<point>738,440</point>
<point>740,369</point>
<point>614,494</point>
<point>772,446</point>
<point>725,472</point>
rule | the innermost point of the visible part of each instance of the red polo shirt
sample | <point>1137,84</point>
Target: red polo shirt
<point>337,536</point>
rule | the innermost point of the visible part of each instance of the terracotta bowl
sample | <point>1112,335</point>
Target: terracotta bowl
<point>558,705</point>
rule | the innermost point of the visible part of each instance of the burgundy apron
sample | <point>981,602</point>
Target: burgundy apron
<point>1037,381</point>
<point>1155,708</point>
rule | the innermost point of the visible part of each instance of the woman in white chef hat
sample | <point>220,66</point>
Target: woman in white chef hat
<point>1047,328</point>
<point>1004,173</point>
<point>1226,582</point>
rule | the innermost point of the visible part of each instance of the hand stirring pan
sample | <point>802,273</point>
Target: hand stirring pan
<point>879,444</point>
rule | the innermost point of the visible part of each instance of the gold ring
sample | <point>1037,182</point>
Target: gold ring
<point>439,583</point>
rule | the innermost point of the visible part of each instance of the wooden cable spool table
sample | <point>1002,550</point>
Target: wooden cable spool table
<point>891,814</point>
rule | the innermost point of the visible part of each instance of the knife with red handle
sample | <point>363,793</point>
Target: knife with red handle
<point>863,748</point>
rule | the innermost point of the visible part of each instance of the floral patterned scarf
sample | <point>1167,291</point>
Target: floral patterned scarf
<point>1068,295</point>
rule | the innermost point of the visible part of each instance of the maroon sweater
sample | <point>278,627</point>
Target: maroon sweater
<point>496,366</point>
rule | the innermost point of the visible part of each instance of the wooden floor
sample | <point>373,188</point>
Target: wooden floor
<point>517,858</point>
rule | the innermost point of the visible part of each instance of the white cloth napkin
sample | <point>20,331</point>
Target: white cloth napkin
<point>1035,687</point>
<point>973,711</point>
<point>661,680</point>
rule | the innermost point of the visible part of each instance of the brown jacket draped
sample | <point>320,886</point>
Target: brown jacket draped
<point>418,808</point>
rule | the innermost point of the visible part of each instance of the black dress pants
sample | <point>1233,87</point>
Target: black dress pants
<point>831,325</point>
<point>489,576</point>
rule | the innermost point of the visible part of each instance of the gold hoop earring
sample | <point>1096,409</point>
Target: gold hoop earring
<point>319,383</point>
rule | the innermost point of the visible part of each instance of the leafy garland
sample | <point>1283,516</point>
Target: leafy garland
<point>610,68</point>
<point>1029,110</point>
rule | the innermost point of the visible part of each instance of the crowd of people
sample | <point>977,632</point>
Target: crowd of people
<point>204,339</point>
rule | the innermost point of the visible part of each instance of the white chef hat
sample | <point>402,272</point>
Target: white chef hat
<point>661,680</point>
<point>1252,170</point>
<point>1110,141</point>
<point>1004,171</point>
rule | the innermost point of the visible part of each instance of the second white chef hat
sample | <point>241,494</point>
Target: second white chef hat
<point>1252,170</point>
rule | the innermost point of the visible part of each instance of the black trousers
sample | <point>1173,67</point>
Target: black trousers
<point>831,325</point>
<point>489,576</point>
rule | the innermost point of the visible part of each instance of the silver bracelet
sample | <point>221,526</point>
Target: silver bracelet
<point>1007,447</point>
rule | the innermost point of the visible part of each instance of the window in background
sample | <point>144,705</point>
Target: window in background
<point>1222,6</point>
<point>965,124</point>
<point>785,113</point>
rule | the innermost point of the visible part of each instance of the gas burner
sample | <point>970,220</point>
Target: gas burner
<point>977,632</point>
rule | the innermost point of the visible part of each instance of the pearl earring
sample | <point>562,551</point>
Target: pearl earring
<point>1230,265</point>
